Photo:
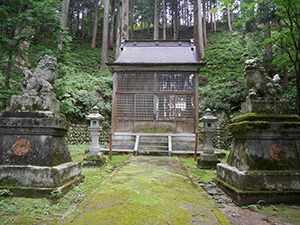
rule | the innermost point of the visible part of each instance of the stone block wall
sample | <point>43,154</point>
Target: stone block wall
<point>79,134</point>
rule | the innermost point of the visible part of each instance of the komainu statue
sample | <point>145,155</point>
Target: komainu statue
<point>42,78</point>
<point>259,84</point>
<point>37,88</point>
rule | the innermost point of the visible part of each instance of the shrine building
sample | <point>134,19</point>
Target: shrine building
<point>155,93</point>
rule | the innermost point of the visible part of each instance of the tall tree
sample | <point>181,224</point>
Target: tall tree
<point>204,23</point>
<point>132,19</point>
<point>164,20</point>
<point>95,23</point>
<point>175,20</point>
<point>125,20</point>
<point>104,56</point>
<point>156,20</point>
<point>112,25</point>
<point>64,20</point>
<point>199,35</point>
<point>118,29</point>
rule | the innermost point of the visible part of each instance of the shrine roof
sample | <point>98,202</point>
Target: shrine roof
<point>157,53</point>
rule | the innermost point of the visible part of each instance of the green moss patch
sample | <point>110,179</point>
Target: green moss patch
<point>148,190</point>
<point>248,125</point>
<point>267,117</point>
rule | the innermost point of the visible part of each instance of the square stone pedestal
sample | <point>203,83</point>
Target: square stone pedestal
<point>40,181</point>
<point>207,161</point>
<point>94,159</point>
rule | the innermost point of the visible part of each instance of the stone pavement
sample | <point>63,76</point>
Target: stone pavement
<point>148,190</point>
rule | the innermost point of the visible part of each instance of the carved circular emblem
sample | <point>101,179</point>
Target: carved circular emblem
<point>276,152</point>
<point>21,147</point>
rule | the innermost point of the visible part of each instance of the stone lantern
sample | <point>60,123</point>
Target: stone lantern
<point>208,159</point>
<point>94,157</point>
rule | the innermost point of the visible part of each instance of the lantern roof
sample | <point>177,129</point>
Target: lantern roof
<point>95,115</point>
<point>208,116</point>
<point>157,53</point>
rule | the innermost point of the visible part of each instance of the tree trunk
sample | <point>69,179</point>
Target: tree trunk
<point>204,24</point>
<point>104,56</point>
<point>156,20</point>
<point>268,47</point>
<point>64,20</point>
<point>132,19</point>
<point>82,24</point>
<point>141,20</point>
<point>164,20</point>
<point>118,30</point>
<point>175,13</point>
<point>200,30</point>
<point>215,20</point>
<point>95,24</point>
<point>229,18</point>
<point>285,78</point>
<point>112,25</point>
<point>65,10</point>
<point>195,30</point>
<point>125,19</point>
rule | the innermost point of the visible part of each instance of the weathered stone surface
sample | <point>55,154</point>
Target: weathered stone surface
<point>37,88</point>
<point>259,84</point>
<point>44,131</point>
<point>247,187</point>
<point>264,162</point>
<point>207,161</point>
<point>265,106</point>
<point>94,159</point>
<point>252,139</point>
<point>41,176</point>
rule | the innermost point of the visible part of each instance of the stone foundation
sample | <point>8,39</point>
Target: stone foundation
<point>39,181</point>
<point>248,187</point>
<point>33,138</point>
<point>264,162</point>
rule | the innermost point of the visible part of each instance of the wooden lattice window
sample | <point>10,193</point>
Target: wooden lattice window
<point>155,95</point>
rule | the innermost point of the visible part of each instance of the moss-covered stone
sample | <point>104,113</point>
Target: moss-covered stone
<point>267,117</point>
<point>248,125</point>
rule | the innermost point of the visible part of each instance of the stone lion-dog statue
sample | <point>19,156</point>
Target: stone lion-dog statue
<point>259,84</point>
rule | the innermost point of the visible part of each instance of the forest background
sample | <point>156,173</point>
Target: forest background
<point>84,34</point>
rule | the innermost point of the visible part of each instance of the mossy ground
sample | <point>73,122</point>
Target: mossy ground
<point>15,210</point>
<point>148,190</point>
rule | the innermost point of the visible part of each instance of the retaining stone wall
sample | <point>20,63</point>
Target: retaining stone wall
<point>79,134</point>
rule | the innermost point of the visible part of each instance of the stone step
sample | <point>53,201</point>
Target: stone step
<point>153,152</point>
<point>156,147</point>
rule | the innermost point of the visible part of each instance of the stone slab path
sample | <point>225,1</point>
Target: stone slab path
<point>148,190</point>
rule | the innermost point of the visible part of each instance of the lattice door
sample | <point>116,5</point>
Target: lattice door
<point>152,96</point>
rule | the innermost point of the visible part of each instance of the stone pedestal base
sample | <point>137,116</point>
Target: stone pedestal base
<point>39,181</point>
<point>248,187</point>
<point>207,161</point>
<point>265,106</point>
<point>94,159</point>
<point>33,138</point>
<point>264,162</point>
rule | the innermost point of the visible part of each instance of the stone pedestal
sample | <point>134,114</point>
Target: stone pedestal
<point>207,161</point>
<point>264,161</point>
<point>33,138</point>
<point>94,159</point>
<point>34,154</point>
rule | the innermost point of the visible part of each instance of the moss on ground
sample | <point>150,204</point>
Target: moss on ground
<point>148,190</point>
<point>17,210</point>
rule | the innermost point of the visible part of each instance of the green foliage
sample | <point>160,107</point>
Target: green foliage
<point>221,80</point>
<point>80,85</point>
<point>254,207</point>
<point>56,193</point>
<point>28,30</point>
<point>5,192</point>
